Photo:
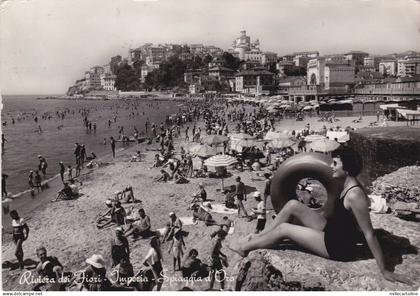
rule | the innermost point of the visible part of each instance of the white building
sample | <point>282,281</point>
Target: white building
<point>268,58</point>
<point>388,67</point>
<point>108,81</point>
<point>408,67</point>
<point>330,73</point>
<point>243,46</point>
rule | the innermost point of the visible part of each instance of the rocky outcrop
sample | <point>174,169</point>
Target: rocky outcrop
<point>401,185</point>
<point>290,268</point>
<point>386,149</point>
<point>256,273</point>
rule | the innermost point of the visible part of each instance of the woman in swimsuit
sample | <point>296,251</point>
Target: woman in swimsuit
<point>334,237</point>
<point>20,234</point>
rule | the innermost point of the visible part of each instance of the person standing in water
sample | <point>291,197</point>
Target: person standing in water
<point>3,185</point>
<point>112,146</point>
<point>20,234</point>
<point>62,170</point>
<point>3,141</point>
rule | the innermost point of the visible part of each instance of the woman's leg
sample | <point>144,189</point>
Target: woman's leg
<point>295,209</point>
<point>19,253</point>
<point>308,238</point>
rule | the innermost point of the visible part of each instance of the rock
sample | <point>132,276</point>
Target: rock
<point>400,185</point>
<point>290,268</point>
<point>256,273</point>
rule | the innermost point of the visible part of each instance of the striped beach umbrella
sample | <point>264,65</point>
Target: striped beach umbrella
<point>220,161</point>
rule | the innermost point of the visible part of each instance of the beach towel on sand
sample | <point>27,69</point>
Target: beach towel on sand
<point>378,204</point>
<point>221,209</point>
<point>187,220</point>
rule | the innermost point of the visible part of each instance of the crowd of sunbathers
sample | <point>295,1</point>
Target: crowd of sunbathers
<point>134,222</point>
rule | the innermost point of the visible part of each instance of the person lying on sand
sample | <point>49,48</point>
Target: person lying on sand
<point>201,214</point>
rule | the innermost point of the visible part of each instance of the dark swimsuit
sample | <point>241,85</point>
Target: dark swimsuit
<point>342,233</point>
<point>18,230</point>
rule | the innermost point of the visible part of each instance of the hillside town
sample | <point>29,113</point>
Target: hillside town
<point>245,69</point>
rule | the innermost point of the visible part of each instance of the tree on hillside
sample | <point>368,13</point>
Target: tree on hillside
<point>207,59</point>
<point>230,61</point>
<point>169,75</point>
<point>127,78</point>
<point>295,71</point>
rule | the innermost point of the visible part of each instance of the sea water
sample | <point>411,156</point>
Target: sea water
<point>58,136</point>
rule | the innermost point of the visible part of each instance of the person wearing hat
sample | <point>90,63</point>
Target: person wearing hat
<point>94,276</point>
<point>260,211</point>
<point>119,247</point>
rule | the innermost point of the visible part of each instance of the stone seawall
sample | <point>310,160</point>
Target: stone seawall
<point>386,149</point>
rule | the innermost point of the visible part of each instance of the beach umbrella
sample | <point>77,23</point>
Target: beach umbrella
<point>270,135</point>
<point>281,143</point>
<point>239,144</point>
<point>240,136</point>
<point>220,161</point>
<point>323,145</point>
<point>312,138</point>
<point>214,139</point>
<point>203,151</point>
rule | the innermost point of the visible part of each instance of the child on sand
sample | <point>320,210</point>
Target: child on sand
<point>177,248</point>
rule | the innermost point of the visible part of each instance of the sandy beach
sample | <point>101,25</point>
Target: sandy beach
<point>67,228</point>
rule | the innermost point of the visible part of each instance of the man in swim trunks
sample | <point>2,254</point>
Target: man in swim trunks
<point>141,226</point>
<point>56,266</point>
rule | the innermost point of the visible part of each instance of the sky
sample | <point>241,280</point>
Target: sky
<point>45,45</point>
